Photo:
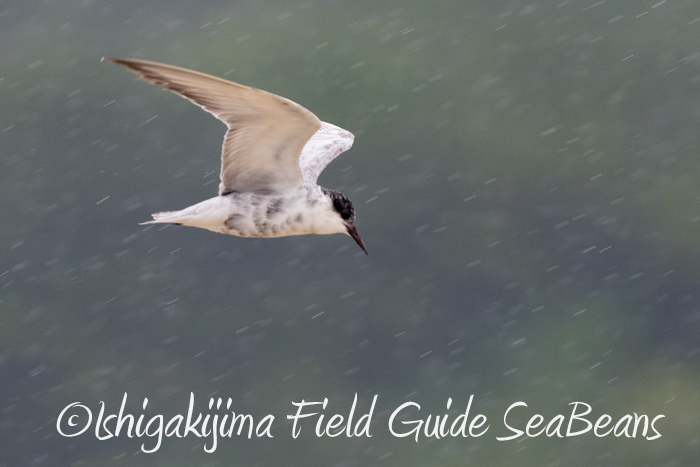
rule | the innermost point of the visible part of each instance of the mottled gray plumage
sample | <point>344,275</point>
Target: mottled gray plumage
<point>273,152</point>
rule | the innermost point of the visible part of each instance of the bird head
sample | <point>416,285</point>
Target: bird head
<point>344,211</point>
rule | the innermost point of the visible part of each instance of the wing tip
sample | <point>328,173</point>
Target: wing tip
<point>130,63</point>
<point>119,61</point>
<point>144,68</point>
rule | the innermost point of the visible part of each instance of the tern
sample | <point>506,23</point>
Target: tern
<point>273,152</point>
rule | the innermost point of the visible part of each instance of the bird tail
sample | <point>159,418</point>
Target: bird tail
<point>167,217</point>
<point>209,214</point>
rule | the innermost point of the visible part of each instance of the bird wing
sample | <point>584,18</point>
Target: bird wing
<point>326,144</point>
<point>266,133</point>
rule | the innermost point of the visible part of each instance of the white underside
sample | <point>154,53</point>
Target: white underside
<point>303,211</point>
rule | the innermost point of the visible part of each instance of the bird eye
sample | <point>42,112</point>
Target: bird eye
<point>343,207</point>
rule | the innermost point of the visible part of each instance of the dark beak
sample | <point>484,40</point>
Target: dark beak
<point>352,230</point>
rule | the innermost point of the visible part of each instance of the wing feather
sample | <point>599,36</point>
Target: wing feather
<point>266,133</point>
<point>326,144</point>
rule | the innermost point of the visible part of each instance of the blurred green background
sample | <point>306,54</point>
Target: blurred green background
<point>525,175</point>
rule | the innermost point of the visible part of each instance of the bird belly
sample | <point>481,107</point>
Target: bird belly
<point>265,215</point>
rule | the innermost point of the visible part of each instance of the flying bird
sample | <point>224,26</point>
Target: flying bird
<point>273,152</point>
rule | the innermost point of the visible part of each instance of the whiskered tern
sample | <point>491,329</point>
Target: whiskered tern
<point>273,152</point>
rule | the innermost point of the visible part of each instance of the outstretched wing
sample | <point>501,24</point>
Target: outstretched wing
<point>266,133</point>
<point>324,146</point>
